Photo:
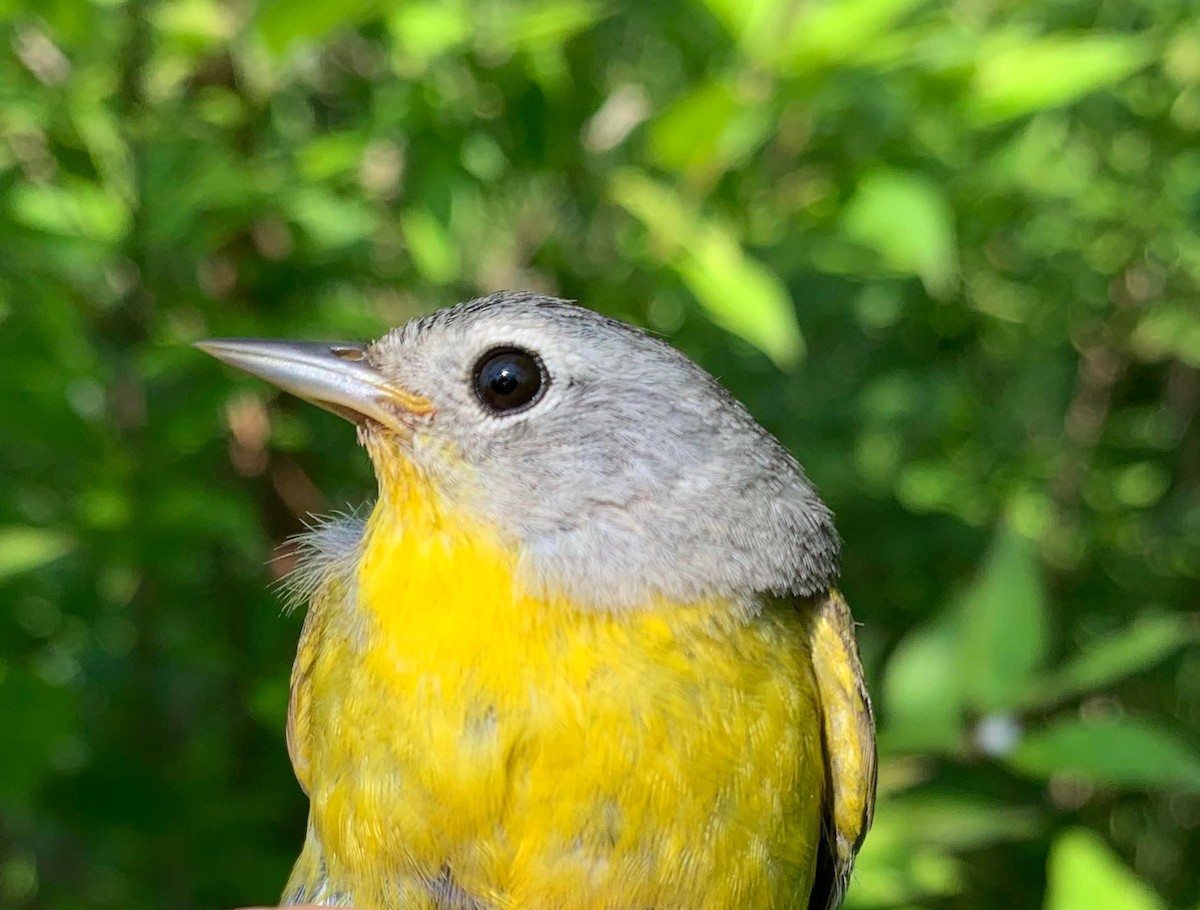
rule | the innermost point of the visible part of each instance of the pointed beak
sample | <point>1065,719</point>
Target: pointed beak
<point>334,376</point>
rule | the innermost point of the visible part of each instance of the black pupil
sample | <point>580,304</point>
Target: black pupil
<point>508,379</point>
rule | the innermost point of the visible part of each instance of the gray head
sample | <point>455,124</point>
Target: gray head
<point>619,469</point>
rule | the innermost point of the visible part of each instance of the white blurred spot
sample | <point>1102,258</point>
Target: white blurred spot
<point>997,735</point>
<point>618,116</point>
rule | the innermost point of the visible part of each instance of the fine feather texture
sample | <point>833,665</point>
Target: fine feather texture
<point>635,476</point>
<point>547,757</point>
<point>586,655</point>
<point>326,547</point>
<point>407,529</point>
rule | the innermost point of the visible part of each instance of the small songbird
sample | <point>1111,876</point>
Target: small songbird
<point>586,652</point>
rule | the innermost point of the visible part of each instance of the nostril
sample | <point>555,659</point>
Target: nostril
<point>351,352</point>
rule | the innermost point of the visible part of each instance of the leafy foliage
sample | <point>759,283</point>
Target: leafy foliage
<point>947,252</point>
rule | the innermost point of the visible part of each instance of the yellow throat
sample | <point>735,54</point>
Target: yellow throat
<point>464,744</point>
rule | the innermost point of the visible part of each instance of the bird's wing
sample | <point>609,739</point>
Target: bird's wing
<point>849,736</point>
<point>299,702</point>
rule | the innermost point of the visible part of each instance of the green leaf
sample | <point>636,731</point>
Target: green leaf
<point>1149,640</point>
<point>1084,874</point>
<point>330,155</point>
<point>25,548</point>
<point>1168,330</point>
<point>431,246</point>
<point>331,220</point>
<point>960,822</point>
<point>708,129</point>
<point>76,209</point>
<point>738,292</point>
<point>898,866</point>
<point>905,218</point>
<point>282,22</point>
<point>199,24</point>
<point>548,23</point>
<point>427,30</point>
<point>841,31</point>
<point>920,708</point>
<point>742,295</point>
<point>1002,625</point>
<point>1017,75</point>
<point>1116,753</point>
<point>100,129</point>
<point>688,131</point>
<point>755,26</point>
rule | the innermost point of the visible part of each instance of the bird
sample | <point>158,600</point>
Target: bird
<point>586,650</point>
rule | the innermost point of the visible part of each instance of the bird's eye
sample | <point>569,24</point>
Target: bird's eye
<point>509,379</point>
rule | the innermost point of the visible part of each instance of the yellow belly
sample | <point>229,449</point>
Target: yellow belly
<point>457,737</point>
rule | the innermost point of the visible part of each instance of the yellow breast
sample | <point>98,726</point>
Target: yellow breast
<point>458,737</point>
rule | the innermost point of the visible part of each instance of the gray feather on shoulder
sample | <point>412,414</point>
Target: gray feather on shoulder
<point>326,549</point>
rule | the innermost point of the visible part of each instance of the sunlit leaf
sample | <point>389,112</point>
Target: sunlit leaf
<point>708,129</point>
<point>1083,873</point>
<point>331,155</point>
<point>430,29</point>
<point>1017,75</point>
<point>1114,752</point>
<point>1002,624</point>
<point>538,24</point>
<point>26,548</point>
<point>739,293</point>
<point>100,129</point>
<point>689,129</point>
<point>907,220</point>
<point>755,26</point>
<point>1141,484</point>
<point>1149,640</point>
<point>282,22</point>
<point>430,244</point>
<point>840,31</point>
<point>920,706</point>
<point>1168,330</point>
<point>199,23</point>
<point>76,209</point>
<point>329,219</point>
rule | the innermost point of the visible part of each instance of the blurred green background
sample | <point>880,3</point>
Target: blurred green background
<point>948,251</point>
